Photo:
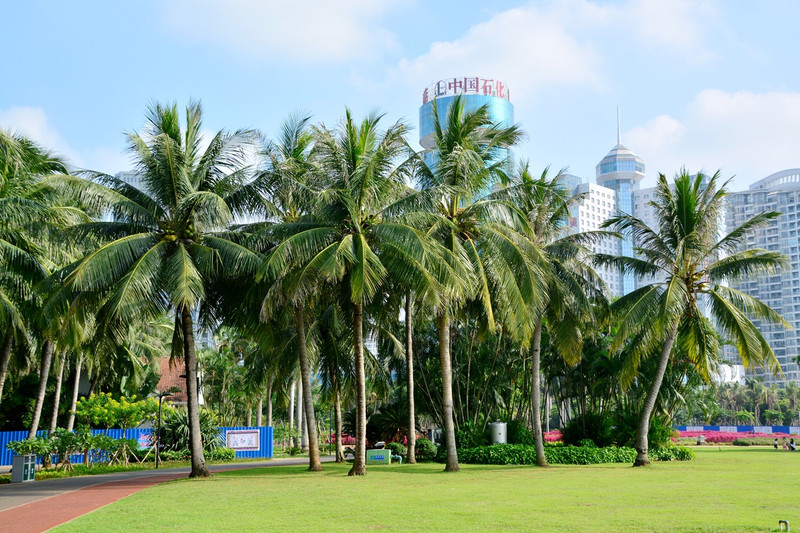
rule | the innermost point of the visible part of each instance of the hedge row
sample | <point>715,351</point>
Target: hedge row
<point>522,454</point>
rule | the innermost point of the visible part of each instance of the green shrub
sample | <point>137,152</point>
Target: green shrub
<point>222,454</point>
<point>626,423</point>
<point>398,448</point>
<point>425,450</point>
<point>520,454</point>
<point>755,441</point>
<point>469,435</point>
<point>175,430</point>
<point>587,455</point>
<point>671,453</point>
<point>596,427</point>
<point>518,433</point>
<point>170,455</point>
<point>35,446</point>
<point>293,450</point>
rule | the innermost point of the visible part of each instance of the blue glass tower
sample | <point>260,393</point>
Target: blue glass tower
<point>475,92</point>
<point>621,170</point>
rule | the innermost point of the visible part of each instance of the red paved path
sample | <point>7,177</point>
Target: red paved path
<point>44,514</point>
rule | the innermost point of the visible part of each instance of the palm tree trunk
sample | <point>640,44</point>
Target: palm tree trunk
<point>311,423</point>
<point>47,359</point>
<point>650,400</point>
<point>75,385</point>
<point>199,468</point>
<point>260,410</point>
<point>5,357</point>
<point>547,409</point>
<point>298,413</point>
<point>304,429</point>
<point>93,384</point>
<point>536,394</point>
<point>411,456</point>
<point>360,461</point>
<point>337,410</point>
<point>451,464</point>
<point>57,394</point>
<point>291,405</point>
<point>248,417</point>
<point>269,403</point>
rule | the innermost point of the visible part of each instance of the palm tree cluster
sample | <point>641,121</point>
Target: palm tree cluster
<point>339,260</point>
<point>752,403</point>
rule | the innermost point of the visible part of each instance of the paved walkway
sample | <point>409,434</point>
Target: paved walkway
<point>22,510</point>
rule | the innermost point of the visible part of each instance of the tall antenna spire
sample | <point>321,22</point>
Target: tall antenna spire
<point>619,141</point>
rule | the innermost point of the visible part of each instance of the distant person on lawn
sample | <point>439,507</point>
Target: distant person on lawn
<point>776,444</point>
<point>785,445</point>
<point>792,446</point>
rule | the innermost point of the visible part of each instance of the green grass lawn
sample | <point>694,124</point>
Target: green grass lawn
<point>724,489</point>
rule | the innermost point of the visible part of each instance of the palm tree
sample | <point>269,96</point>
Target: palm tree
<point>164,245</point>
<point>286,189</point>
<point>351,238</point>
<point>692,264</point>
<point>570,284</point>
<point>481,230</point>
<point>29,215</point>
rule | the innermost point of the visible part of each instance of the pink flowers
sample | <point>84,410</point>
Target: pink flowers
<point>726,436</point>
<point>552,436</point>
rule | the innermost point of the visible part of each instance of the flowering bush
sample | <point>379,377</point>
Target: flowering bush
<point>103,411</point>
<point>717,437</point>
<point>552,436</point>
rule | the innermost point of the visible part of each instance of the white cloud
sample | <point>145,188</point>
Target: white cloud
<point>281,30</point>
<point>676,25</point>
<point>750,135</point>
<point>527,47</point>
<point>33,123</point>
<point>559,43</point>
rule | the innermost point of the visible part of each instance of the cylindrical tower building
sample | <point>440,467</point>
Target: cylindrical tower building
<point>475,92</point>
<point>621,170</point>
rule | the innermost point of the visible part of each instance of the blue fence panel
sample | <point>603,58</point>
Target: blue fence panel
<point>142,436</point>
<point>264,442</point>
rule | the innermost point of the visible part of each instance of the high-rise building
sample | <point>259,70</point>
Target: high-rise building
<point>474,92</point>
<point>780,290</point>
<point>597,204</point>
<point>618,175</point>
<point>621,171</point>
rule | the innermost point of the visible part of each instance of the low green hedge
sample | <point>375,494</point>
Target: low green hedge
<point>522,454</point>
<point>755,441</point>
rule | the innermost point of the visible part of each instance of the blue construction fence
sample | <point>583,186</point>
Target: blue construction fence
<point>249,442</point>
<point>791,430</point>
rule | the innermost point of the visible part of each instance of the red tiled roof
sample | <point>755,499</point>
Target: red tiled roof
<point>170,378</point>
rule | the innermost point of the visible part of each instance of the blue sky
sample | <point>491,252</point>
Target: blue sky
<point>703,84</point>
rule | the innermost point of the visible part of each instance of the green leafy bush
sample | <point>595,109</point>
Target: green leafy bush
<point>222,454</point>
<point>755,441</point>
<point>425,450</point>
<point>175,430</point>
<point>469,435</point>
<point>596,427</point>
<point>35,446</point>
<point>626,423</point>
<point>518,433</point>
<point>520,454</point>
<point>398,448</point>
<point>170,455</point>
<point>671,453</point>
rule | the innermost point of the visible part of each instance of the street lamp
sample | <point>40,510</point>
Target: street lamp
<point>161,396</point>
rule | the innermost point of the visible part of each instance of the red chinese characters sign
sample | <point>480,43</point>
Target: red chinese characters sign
<point>453,86</point>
